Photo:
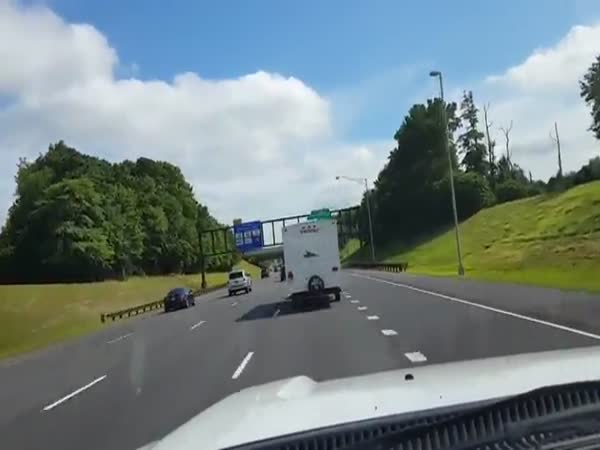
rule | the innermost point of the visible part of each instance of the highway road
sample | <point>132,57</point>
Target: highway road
<point>131,383</point>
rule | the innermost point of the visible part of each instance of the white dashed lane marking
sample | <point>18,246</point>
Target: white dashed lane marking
<point>389,332</point>
<point>73,394</point>
<point>354,301</point>
<point>120,338</point>
<point>478,305</point>
<point>242,365</point>
<point>372,317</point>
<point>362,308</point>
<point>196,325</point>
<point>416,357</point>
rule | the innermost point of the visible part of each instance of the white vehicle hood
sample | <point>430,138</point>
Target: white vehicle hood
<point>299,403</point>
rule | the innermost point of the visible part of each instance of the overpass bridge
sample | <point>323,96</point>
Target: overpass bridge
<point>266,253</point>
<point>262,240</point>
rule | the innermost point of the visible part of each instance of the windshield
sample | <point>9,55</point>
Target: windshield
<point>302,212</point>
<point>179,291</point>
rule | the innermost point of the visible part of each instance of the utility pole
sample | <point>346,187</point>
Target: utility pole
<point>556,138</point>
<point>368,200</point>
<point>368,194</point>
<point>438,74</point>
<point>202,262</point>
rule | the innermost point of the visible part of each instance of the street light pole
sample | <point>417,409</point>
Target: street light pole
<point>438,74</point>
<point>367,195</point>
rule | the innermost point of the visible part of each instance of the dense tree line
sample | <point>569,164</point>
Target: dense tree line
<point>411,195</point>
<point>76,217</point>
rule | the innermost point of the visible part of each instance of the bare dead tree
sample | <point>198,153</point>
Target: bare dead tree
<point>530,177</point>
<point>556,139</point>
<point>506,132</point>
<point>490,144</point>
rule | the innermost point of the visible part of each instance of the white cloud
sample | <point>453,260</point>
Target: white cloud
<point>539,91</point>
<point>555,67</point>
<point>263,144</point>
<point>40,52</point>
<point>255,146</point>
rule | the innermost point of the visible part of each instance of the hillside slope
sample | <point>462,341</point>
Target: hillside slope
<point>550,240</point>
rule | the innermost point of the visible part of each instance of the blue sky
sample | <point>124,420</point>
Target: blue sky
<point>334,45</point>
<point>248,95</point>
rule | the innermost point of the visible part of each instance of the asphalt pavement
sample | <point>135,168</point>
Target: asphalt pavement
<point>132,383</point>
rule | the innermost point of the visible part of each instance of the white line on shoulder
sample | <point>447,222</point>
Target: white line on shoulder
<point>478,305</point>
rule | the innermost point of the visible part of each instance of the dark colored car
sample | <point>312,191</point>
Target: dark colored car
<point>264,272</point>
<point>179,298</point>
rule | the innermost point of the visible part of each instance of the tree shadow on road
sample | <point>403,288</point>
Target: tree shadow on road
<point>278,309</point>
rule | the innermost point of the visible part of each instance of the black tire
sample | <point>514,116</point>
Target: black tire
<point>315,284</point>
<point>337,296</point>
<point>247,290</point>
<point>230,293</point>
<point>297,303</point>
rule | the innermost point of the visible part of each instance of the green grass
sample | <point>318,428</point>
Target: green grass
<point>351,248</point>
<point>33,316</point>
<point>549,240</point>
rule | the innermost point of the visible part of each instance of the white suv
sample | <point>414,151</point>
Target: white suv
<point>239,280</point>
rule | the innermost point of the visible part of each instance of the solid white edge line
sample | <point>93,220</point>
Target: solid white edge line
<point>240,368</point>
<point>74,393</point>
<point>416,357</point>
<point>488,308</point>
<point>196,325</point>
<point>120,338</point>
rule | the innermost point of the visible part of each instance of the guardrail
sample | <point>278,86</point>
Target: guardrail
<point>147,307</point>
<point>386,267</point>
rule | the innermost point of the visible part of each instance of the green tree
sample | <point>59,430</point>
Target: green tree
<point>509,190</point>
<point>470,141</point>
<point>404,188</point>
<point>472,192</point>
<point>77,217</point>
<point>65,234</point>
<point>590,92</point>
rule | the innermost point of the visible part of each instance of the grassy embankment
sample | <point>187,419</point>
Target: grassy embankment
<point>33,316</point>
<point>549,240</point>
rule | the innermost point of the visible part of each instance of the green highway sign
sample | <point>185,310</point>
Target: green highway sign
<point>320,214</point>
